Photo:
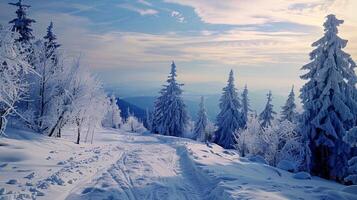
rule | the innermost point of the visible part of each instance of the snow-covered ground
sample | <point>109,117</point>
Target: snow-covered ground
<point>121,165</point>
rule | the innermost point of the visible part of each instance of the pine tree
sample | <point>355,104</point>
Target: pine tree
<point>22,24</point>
<point>267,116</point>
<point>51,44</point>
<point>170,115</point>
<point>201,123</point>
<point>230,119</point>
<point>289,109</point>
<point>329,103</point>
<point>245,105</point>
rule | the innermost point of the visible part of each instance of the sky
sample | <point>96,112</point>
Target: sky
<point>130,44</point>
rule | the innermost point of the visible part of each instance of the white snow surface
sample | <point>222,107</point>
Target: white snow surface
<point>122,165</point>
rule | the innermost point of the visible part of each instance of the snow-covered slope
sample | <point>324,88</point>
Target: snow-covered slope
<point>121,165</point>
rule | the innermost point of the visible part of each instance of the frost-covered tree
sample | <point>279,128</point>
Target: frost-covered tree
<point>249,139</point>
<point>132,124</point>
<point>329,106</point>
<point>13,67</point>
<point>230,118</point>
<point>21,23</point>
<point>351,139</point>
<point>170,115</point>
<point>245,105</point>
<point>267,116</point>
<point>112,118</point>
<point>289,109</point>
<point>275,137</point>
<point>201,123</point>
<point>81,103</point>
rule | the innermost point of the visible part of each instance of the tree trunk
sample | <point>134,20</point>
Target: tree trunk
<point>56,125</point>
<point>78,135</point>
<point>78,132</point>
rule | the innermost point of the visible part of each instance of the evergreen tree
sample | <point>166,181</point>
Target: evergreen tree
<point>329,103</point>
<point>245,105</point>
<point>201,123</point>
<point>230,119</point>
<point>22,24</point>
<point>170,115</point>
<point>51,44</point>
<point>289,109</point>
<point>351,139</point>
<point>267,116</point>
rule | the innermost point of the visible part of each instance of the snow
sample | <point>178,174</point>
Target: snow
<point>286,165</point>
<point>123,165</point>
<point>302,175</point>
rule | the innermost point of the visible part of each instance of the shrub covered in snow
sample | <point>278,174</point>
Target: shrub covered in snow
<point>132,124</point>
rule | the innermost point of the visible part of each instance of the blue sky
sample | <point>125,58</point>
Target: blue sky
<point>130,44</point>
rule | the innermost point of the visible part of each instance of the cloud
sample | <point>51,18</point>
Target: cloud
<point>309,12</point>
<point>180,18</point>
<point>141,11</point>
<point>144,2</point>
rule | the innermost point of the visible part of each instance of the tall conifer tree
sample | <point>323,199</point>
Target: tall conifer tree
<point>170,115</point>
<point>330,107</point>
<point>230,118</point>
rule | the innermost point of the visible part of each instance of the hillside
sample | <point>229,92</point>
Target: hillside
<point>122,165</point>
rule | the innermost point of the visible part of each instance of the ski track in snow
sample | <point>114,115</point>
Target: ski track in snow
<point>152,168</point>
<point>128,166</point>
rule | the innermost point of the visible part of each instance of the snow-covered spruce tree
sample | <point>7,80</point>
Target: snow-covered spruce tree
<point>245,105</point>
<point>112,118</point>
<point>13,66</point>
<point>329,106</point>
<point>351,139</point>
<point>229,119</point>
<point>201,123</point>
<point>21,23</point>
<point>170,115</point>
<point>267,116</point>
<point>289,109</point>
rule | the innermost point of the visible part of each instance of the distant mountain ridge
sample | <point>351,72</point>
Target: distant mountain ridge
<point>257,100</point>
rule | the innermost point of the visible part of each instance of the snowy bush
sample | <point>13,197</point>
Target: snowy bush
<point>274,143</point>
<point>249,140</point>
<point>132,124</point>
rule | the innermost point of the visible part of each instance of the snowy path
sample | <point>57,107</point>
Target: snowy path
<point>148,168</point>
<point>127,166</point>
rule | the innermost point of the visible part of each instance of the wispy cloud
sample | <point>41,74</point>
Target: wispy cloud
<point>141,11</point>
